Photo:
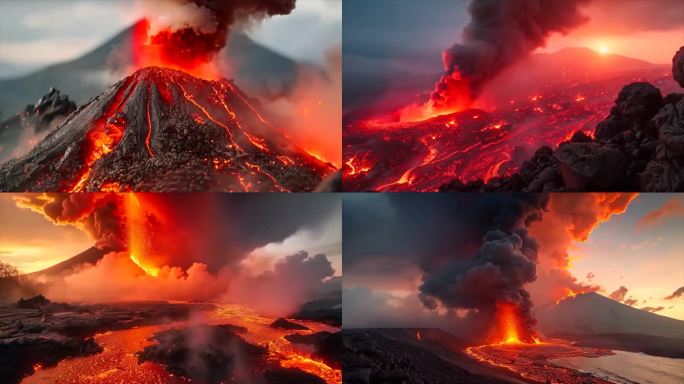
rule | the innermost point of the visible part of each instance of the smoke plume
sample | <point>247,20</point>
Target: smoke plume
<point>676,294</point>
<point>619,294</point>
<point>194,31</point>
<point>570,219</point>
<point>500,33</point>
<point>99,214</point>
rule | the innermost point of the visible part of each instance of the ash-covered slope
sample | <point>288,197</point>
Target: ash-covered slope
<point>164,130</point>
<point>593,314</point>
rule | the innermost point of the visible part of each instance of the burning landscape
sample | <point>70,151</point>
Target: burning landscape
<point>474,288</point>
<point>174,123</point>
<point>165,295</point>
<point>504,116</point>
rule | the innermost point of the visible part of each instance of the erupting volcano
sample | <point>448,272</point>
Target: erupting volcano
<point>500,100</point>
<point>164,130</point>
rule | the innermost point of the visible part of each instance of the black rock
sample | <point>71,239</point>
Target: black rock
<point>290,376</point>
<point>285,324</point>
<point>678,66</point>
<point>580,137</point>
<point>590,166</point>
<point>327,346</point>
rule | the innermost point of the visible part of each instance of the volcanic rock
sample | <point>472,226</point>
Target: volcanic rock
<point>666,171</point>
<point>35,302</point>
<point>327,346</point>
<point>19,356</point>
<point>590,166</point>
<point>678,66</point>
<point>33,123</point>
<point>285,324</point>
<point>203,353</point>
<point>636,104</point>
<point>164,130</point>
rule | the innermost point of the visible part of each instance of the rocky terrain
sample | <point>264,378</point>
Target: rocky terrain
<point>285,324</point>
<point>38,333</point>
<point>639,147</point>
<point>163,130</point>
<point>33,123</point>
<point>413,356</point>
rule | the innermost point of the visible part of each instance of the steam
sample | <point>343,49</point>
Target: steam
<point>194,31</point>
<point>500,33</point>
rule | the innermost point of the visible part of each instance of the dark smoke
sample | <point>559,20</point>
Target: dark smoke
<point>473,251</point>
<point>500,33</point>
<point>678,293</point>
<point>100,214</point>
<point>497,274</point>
<point>199,40</point>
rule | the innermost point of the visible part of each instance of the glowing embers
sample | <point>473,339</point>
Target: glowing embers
<point>136,225</point>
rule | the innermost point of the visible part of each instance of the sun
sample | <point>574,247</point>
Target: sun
<point>603,50</point>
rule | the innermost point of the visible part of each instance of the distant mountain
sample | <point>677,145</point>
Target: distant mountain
<point>593,314</point>
<point>89,256</point>
<point>256,69</point>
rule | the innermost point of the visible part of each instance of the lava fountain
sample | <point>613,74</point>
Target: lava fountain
<point>137,234</point>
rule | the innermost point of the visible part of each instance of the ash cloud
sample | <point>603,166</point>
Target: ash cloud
<point>99,214</point>
<point>467,247</point>
<point>501,33</point>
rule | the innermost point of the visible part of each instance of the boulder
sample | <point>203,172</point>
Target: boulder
<point>590,166</point>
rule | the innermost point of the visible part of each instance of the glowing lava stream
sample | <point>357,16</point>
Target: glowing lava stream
<point>135,225</point>
<point>117,363</point>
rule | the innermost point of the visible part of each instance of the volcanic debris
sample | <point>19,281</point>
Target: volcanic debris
<point>164,130</point>
<point>639,147</point>
<point>327,346</point>
<point>285,324</point>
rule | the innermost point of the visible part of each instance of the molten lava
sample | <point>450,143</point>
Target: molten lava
<point>507,322</point>
<point>452,94</point>
<point>136,227</point>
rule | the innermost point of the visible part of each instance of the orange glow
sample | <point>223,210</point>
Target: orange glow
<point>355,170</point>
<point>148,54</point>
<point>453,94</point>
<point>580,98</point>
<point>135,224</point>
<point>418,335</point>
<point>568,295</point>
<point>507,322</point>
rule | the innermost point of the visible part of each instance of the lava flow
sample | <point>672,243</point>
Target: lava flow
<point>118,362</point>
<point>422,146</point>
<point>164,130</point>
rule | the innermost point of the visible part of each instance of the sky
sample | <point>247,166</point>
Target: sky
<point>37,33</point>
<point>389,241</point>
<point>31,242</point>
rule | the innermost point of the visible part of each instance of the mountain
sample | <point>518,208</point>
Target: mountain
<point>255,68</point>
<point>89,256</point>
<point>594,320</point>
<point>592,314</point>
<point>164,130</point>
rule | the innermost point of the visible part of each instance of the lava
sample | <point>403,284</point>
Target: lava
<point>137,242</point>
<point>507,321</point>
<point>472,144</point>
<point>118,363</point>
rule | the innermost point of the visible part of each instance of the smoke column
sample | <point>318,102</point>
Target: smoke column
<point>500,33</point>
<point>191,32</point>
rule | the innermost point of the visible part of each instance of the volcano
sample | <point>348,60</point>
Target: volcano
<point>539,103</point>
<point>164,130</point>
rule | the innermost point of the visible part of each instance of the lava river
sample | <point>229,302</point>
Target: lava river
<point>485,143</point>
<point>118,362</point>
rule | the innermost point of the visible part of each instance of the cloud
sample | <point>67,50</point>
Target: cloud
<point>676,294</point>
<point>652,309</point>
<point>673,208</point>
<point>631,302</point>
<point>619,294</point>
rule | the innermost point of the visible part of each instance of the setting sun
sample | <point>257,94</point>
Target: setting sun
<point>603,50</point>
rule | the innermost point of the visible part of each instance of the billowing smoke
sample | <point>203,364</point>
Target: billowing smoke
<point>496,276</point>
<point>500,33</point>
<point>190,32</point>
<point>190,246</point>
<point>99,214</point>
<point>473,253</point>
